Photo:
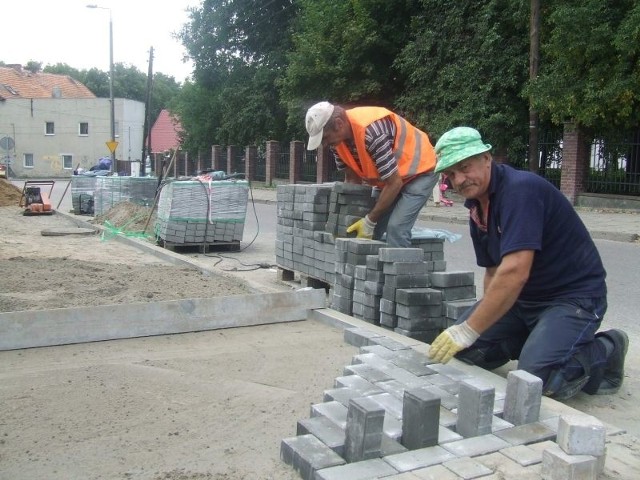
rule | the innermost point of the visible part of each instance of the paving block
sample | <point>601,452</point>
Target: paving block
<point>365,419</point>
<point>558,465</point>
<point>334,411</point>
<point>404,268</point>
<point>367,372</point>
<point>392,405</point>
<point>341,395</point>
<point>420,418</point>
<point>357,383</point>
<point>359,337</point>
<point>389,343</point>
<point>324,430</point>
<point>436,472</point>
<point>365,470</point>
<point>523,454</point>
<point>414,459</point>
<point>581,435</point>
<point>504,468</point>
<point>419,296</point>
<point>523,398</point>
<point>525,434</point>
<point>475,408</point>
<point>472,447</point>
<point>467,468</point>
<point>451,279</point>
<point>306,454</point>
<point>387,254</point>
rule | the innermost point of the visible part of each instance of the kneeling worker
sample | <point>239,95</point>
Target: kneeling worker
<point>544,287</point>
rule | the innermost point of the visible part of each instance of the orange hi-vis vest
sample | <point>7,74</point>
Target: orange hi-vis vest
<point>411,147</point>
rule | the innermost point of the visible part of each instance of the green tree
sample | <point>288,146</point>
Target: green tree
<point>466,65</point>
<point>238,49</point>
<point>344,51</point>
<point>590,65</point>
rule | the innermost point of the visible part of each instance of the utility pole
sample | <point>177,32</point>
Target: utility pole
<point>146,151</point>
<point>534,63</point>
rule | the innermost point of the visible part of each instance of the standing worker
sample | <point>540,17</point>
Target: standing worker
<point>378,147</point>
<point>544,287</point>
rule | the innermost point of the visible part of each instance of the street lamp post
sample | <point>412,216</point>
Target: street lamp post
<point>112,118</point>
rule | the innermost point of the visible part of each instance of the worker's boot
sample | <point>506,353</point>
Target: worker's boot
<point>610,379</point>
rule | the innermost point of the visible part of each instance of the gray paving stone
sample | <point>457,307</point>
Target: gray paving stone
<point>475,408</point>
<point>423,457</point>
<point>357,383</point>
<point>436,472</point>
<point>472,447</point>
<point>387,254</point>
<point>341,395</point>
<point>581,435</point>
<point>523,398</point>
<point>467,468</point>
<point>525,434</point>
<point>420,418</point>
<point>392,405</point>
<point>363,438</point>
<point>523,455</point>
<point>389,343</point>
<point>306,454</point>
<point>558,465</point>
<point>367,372</point>
<point>324,430</point>
<point>365,470</point>
<point>507,469</point>
<point>334,411</point>
<point>452,279</point>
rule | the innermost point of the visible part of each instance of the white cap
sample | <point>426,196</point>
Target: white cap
<point>317,118</point>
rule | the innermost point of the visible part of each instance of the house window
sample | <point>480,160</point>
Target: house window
<point>67,161</point>
<point>49,128</point>
<point>83,128</point>
<point>28,160</point>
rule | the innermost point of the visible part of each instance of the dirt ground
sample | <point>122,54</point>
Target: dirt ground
<point>211,405</point>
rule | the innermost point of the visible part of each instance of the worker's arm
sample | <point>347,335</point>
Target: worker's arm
<point>502,288</point>
<point>392,186</point>
<point>489,273</point>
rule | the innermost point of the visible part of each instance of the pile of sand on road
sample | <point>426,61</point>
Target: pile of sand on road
<point>9,194</point>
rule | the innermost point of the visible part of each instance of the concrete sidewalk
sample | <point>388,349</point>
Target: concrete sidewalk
<point>621,226</point>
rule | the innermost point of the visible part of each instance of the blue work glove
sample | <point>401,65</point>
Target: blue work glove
<point>451,341</point>
<point>364,228</point>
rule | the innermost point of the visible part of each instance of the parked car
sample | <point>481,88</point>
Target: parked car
<point>3,170</point>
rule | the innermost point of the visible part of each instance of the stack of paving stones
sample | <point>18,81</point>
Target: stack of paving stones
<point>302,244</point>
<point>311,239</point>
<point>394,411</point>
<point>347,204</point>
<point>109,191</point>
<point>198,213</point>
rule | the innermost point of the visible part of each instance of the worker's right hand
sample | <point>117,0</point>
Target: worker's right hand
<point>451,341</point>
<point>364,228</point>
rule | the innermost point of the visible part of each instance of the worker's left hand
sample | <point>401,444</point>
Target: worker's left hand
<point>451,341</point>
<point>364,228</point>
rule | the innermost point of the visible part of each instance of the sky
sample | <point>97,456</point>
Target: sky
<point>66,31</point>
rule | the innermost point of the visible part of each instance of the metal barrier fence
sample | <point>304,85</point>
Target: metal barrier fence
<point>260,173</point>
<point>309,170</point>
<point>237,163</point>
<point>282,167</point>
<point>615,166</point>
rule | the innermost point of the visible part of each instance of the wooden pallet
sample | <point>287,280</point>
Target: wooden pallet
<point>232,246</point>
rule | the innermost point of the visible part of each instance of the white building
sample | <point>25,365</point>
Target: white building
<point>56,124</point>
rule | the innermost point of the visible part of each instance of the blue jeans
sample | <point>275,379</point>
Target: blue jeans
<point>398,221</point>
<point>551,340</point>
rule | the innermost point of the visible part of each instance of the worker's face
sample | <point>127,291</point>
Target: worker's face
<point>334,132</point>
<point>470,178</point>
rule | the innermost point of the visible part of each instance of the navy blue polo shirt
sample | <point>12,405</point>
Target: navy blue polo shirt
<point>526,212</point>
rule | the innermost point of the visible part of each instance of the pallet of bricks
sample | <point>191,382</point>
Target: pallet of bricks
<point>112,190</point>
<point>203,214</point>
<point>407,290</point>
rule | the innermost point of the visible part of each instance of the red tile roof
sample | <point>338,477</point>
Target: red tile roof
<point>18,83</point>
<point>165,133</point>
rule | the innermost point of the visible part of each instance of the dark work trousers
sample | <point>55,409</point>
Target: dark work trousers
<point>551,340</point>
